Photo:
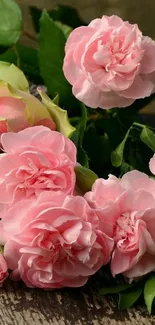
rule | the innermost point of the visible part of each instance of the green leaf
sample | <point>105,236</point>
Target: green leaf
<point>26,58</point>
<point>51,55</point>
<point>117,154</point>
<point>85,178</point>
<point>130,296</point>
<point>148,137</point>
<point>66,15</point>
<point>98,149</point>
<point>149,292</point>
<point>78,136</point>
<point>125,167</point>
<point>56,100</point>
<point>58,114</point>
<point>117,289</point>
<point>10,22</point>
<point>13,75</point>
<point>112,127</point>
<point>65,28</point>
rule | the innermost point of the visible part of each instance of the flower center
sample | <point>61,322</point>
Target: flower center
<point>127,232</point>
<point>32,178</point>
<point>117,54</point>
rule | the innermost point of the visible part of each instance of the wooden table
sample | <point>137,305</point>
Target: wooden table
<point>23,306</point>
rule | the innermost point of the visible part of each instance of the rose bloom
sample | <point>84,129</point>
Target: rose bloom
<point>54,241</point>
<point>35,160</point>
<point>19,110</point>
<point>110,63</point>
<point>127,209</point>
<point>3,270</point>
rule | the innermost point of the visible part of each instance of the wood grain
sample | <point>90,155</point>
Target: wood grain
<point>23,306</point>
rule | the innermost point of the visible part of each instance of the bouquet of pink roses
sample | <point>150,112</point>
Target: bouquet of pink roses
<point>77,165</point>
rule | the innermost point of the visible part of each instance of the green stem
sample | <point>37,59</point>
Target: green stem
<point>143,125</point>
<point>17,55</point>
<point>92,117</point>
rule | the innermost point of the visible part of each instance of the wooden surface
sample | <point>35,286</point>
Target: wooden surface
<point>23,306</point>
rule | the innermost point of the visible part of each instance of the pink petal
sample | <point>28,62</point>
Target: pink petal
<point>76,282</point>
<point>99,23</point>
<point>70,68</point>
<point>144,266</point>
<point>106,22</point>
<point>136,180</point>
<point>140,88</point>
<point>93,97</point>
<point>13,142</point>
<point>99,78</point>
<point>87,93</point>
<point>11,258</point>
<point>113,21</point>
<point>37,136</point>
<point>135,201</point>
<point>150,244</point>
<point>6,165</point>
<point>149,218</point>
<point>80,206</point>
<point>83,55</point>
<point>112,99</point>
<point>119,263</point>
<point>148,62</point>
<point>12,109</point>
<point>133,34</point>
<point>71,234</point>
<point>77,34</point>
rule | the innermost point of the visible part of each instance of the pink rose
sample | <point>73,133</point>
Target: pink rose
<point>109,63</point>
<point>152,165</point>
<point>54,241</point>
<point>35,160</point>
<point>19,110</point>
<point>126,208</point>
<point>3,270</point>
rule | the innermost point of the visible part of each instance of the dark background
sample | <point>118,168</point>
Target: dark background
<point>141,12</point>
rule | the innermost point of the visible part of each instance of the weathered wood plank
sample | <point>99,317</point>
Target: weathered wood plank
<point>20,305</point>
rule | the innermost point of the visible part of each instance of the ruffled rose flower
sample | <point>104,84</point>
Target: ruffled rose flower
<point>126,208</point>
<point>35,160</point>
<point>19,110</point>
<point>54,241</point>
<point>3,270</point>
<point>109,63</point>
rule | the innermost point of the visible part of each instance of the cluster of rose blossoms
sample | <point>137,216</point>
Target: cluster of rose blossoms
<point>53,235</point>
